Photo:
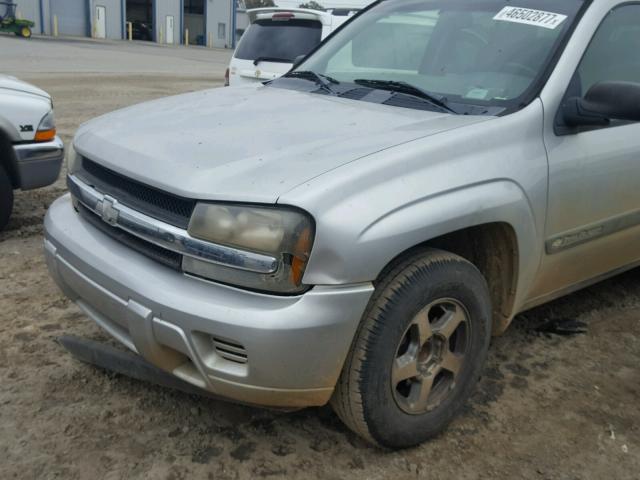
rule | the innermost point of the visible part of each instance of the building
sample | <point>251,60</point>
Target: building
<point>208,22</point>
<point>242,18</point>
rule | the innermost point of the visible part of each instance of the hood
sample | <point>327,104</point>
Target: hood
<point>12,83</point>
<point>249,144</point>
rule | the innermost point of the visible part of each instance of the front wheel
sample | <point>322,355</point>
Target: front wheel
<point>419,350</point>
<point>25,32</point>
<point>6,198</point>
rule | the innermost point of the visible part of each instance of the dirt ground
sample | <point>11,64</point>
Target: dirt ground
<point>548,406</point>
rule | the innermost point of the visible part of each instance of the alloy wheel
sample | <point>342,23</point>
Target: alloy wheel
<point>430,356</point>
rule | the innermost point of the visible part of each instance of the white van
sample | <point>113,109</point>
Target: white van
<point>276,37</point>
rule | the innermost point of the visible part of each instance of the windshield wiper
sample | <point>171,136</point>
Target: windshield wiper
<point>407,88</point>
<point>323,81</point>
<point>271,59</point>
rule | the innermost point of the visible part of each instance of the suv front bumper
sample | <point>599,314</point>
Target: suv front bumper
<point>38,164</point>
<point>250,347</point>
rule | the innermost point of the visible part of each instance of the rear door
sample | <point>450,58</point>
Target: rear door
<point>269,47</point>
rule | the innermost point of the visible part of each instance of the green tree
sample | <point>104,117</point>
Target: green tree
<point>259,4</point>
<point>313,5</point>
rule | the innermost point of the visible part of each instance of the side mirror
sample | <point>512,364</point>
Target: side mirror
<point>605,101</point>
<point>298,60</point>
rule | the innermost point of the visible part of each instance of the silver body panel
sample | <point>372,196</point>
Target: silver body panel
<point>206,152</point>
<point>378,180</point>
<point>38,164</point>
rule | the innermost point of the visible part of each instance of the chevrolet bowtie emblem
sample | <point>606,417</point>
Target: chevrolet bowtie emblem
<point>108,211</point>
<point>258,73</point>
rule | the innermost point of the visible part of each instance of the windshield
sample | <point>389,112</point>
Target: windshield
<point>279,40</point>
<point>473,56</point>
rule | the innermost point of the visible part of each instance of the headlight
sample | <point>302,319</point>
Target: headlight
<point>73,159</point>
<point>47,128</point>
<point>283,233</point>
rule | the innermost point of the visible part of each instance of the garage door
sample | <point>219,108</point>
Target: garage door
<point>73,17</point>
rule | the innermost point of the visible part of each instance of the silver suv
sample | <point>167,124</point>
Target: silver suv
<point>355,231</point>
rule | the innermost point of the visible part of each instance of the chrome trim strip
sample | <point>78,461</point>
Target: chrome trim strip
<point>588,233</point>
<point>165,235</point>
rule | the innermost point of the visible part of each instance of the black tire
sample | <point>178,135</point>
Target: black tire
<point>6,198</point>
<point>366,399</point>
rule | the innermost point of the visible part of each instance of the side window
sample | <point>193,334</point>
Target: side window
<point>614,52</point>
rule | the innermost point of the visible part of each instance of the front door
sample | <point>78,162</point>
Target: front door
<point>593,220</point>
<point>101,22</point>
<point>170,29</point>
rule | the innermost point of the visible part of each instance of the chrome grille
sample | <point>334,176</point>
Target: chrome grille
<point>159,254</point>
<point>143,198</point>
<point>163,236</point>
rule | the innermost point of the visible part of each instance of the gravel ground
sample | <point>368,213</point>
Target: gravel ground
<point>548,406</point>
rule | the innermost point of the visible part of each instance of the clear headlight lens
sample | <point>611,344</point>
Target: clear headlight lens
<point>283,233</point>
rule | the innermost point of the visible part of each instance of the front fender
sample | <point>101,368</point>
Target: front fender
<point>372,210</point>
<point>364,256</point>
<point>21,114</point>
<point>9,130</point>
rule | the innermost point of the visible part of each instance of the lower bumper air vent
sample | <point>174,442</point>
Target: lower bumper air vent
<point>229,350</point>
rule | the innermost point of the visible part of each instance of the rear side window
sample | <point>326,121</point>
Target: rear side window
<point>283,40</point>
